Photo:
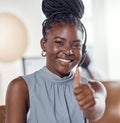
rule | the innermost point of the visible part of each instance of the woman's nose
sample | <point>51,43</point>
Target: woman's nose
<point>68,51</point>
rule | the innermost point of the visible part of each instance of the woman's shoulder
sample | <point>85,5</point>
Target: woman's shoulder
<point>17,88</point>
<point>17,83</point>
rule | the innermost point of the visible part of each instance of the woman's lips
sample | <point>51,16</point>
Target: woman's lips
<point>65,60</point>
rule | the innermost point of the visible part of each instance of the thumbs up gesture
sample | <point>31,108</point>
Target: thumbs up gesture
<point>84,93</point>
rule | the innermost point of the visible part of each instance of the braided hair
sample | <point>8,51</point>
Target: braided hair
<point>57,11</point>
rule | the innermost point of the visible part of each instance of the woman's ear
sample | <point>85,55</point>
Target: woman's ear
<point>43,44</point>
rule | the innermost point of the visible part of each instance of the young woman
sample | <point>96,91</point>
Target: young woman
<point>55,94</point>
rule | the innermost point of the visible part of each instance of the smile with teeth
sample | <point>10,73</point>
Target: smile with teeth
<point>64,60</point>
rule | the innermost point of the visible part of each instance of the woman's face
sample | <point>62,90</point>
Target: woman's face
<point>61,40</point>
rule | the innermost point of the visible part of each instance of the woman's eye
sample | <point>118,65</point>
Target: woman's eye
<point>77,45</point>
<point>60,43</point>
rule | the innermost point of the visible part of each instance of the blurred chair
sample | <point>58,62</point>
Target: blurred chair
<point>112,112</point>
<point>2,114</point>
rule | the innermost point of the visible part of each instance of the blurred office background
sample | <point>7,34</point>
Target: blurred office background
<point>102,22</point>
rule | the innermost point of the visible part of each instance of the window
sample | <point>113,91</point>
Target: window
<point>32,64</point>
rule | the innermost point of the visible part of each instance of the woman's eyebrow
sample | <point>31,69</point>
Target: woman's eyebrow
<point>56,37</point>
<point>76,40</point>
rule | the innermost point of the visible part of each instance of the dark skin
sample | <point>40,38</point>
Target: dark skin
<point>60,39</point>
<point>17,101</point>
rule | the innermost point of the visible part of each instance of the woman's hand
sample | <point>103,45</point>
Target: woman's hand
<point>84,93</point>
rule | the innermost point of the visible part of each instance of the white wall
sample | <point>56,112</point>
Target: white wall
<point>100,43</point>
<point>31,15</point>
<point>106,25</point>
<point>112,25</point>
<point>106,33</point>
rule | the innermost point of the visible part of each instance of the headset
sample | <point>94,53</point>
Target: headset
<point>84,51</point>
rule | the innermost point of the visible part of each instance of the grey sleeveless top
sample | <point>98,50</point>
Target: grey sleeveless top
<point>52,99</point>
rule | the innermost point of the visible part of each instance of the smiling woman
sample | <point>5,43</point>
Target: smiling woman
<point>13,37</point>
<point>54,93</point>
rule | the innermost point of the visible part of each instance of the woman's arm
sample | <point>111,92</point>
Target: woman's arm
<point>97,110</point>
<point>17,101</point>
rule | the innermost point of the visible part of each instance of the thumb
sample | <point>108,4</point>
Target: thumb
<point>77,77</point>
